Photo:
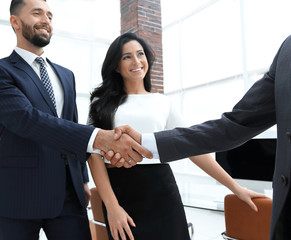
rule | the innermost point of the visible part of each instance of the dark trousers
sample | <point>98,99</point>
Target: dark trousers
<point>283,227</point>
<point>71,224</point>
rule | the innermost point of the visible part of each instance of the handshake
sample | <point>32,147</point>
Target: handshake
<point>122,146</point>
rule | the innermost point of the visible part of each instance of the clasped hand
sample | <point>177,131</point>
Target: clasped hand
<point>121,146</point>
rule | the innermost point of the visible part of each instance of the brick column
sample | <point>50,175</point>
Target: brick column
<point>143,17</point>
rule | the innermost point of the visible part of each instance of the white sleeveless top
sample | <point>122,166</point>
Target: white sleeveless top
<point>148,113</point>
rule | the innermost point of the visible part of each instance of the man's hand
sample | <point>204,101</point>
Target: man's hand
<point>117,160</point>
<point>128,130</point>
<point>128,146</point>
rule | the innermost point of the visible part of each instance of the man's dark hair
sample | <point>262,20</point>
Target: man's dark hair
<point>16,6</point>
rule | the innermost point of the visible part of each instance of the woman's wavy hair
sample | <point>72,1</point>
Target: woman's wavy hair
<point>107,97</point>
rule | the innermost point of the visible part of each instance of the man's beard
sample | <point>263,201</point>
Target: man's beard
<point>34,38</point>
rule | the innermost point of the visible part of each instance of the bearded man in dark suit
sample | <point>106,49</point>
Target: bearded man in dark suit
<point>43,151</point>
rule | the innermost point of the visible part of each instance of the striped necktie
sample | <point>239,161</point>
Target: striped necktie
<point>46,80</point>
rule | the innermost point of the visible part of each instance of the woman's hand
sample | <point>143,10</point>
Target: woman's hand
<point>246,195</point>
<point>213,169</point>
<point>119,222</point>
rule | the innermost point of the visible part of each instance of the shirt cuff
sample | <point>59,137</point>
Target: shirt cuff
<point>148,141</point>
<point>91,141</point>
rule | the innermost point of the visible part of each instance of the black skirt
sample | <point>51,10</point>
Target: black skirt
<point>149,194</point>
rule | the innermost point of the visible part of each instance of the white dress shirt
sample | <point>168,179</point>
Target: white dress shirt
<point>148,141</point>
<point>30,57</point>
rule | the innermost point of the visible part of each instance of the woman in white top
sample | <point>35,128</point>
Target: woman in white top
<point>142,202</point>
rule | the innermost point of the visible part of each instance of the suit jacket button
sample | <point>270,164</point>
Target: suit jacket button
<point>284,180</point>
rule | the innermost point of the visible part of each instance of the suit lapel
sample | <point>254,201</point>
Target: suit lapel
<point>19,63</point>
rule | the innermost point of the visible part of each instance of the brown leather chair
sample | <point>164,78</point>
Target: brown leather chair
<point>245,224</point>
<point>97,225</point>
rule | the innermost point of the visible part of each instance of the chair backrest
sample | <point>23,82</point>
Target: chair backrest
<point>243,223</point>
<point>96,205</point>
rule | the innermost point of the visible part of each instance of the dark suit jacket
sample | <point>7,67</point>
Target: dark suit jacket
<point>35,143</point>
<point>267,102</point>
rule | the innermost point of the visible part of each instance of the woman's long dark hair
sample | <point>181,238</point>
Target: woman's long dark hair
<point>111,93</point>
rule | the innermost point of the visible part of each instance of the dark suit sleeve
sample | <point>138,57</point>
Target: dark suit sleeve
<point>20,117</point>
<point>253,114</point>
<point>85,172</point>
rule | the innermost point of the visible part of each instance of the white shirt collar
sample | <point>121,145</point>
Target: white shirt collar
<point>29,57</point>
